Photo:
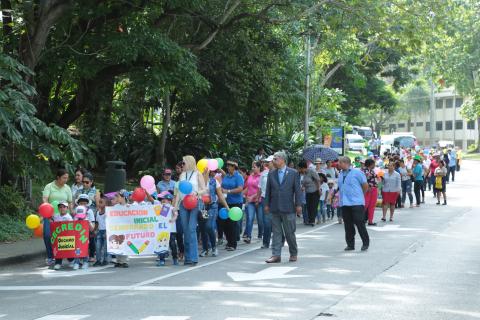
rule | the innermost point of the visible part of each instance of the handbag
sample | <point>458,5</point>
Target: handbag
<point>438,182</point>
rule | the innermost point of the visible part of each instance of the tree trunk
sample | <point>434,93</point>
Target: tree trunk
<point>167,118</point>
<point>7,21</point>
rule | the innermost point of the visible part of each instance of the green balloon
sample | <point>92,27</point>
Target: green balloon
<point>55,207</point>
<point>220,162</point>
<point>235,214</point>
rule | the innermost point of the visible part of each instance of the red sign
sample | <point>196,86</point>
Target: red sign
<point>70,239</point>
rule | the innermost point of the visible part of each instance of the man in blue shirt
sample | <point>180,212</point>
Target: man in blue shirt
<point>352,184</point>
<point>166,184</point>
<point>452,164</point>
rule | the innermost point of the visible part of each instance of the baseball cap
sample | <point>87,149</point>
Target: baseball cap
<point>81,212</point>
<point>63,203</point>
<point>268,159</point>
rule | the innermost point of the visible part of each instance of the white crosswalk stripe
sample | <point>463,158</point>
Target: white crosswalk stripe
<point>2,315</point>
<point>247,319</point>
<point>167,318</point>
<point>64,317</point>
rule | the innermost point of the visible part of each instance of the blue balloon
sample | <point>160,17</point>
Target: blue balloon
<point>185,187</point>
<point>223,213</point>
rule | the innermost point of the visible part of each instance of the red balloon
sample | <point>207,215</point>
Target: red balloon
<point>38,232</point>
<point>190,202</point>
<point>138,195</point>
<point>46,210</point>
<point>206,199</point>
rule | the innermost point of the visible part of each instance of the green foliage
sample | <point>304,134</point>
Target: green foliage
<point>12,203</point>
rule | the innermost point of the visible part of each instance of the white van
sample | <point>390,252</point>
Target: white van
<point>355,142</point>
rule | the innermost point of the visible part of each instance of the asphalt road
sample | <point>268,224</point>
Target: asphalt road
<point>424,265</point>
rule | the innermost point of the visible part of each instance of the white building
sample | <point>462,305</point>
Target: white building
<point>448,122</point>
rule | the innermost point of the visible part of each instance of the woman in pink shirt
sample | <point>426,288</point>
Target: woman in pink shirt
<point>251,195</point>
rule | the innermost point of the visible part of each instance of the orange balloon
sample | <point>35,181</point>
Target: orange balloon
<point>38,232</point>
<point>380,173</point>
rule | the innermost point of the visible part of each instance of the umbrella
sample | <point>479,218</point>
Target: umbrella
<point>319,151</point>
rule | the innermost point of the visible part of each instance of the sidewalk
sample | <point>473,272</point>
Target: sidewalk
<point>20,251</point>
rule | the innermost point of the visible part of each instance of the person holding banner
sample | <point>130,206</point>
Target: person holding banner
<point>59,191</point>
<point>166,200</point>
<point>63,216</point>
<point>189,217</point>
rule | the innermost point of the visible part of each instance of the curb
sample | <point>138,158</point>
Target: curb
<point>21,258</point>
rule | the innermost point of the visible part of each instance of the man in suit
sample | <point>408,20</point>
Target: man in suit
<point>282,201</point>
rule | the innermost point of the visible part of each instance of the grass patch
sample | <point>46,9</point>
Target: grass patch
<point>13,229</point>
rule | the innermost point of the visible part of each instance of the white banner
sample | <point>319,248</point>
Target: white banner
<point>138,229</point>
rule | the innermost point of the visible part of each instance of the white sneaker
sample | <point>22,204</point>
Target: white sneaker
<point>57,267</point>
<point>76,266</point>
<point>214,252</point>
<point>85,266</point>
<point>204,253</point>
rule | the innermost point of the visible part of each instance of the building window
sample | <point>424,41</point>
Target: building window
<point>449,103</point>
<point>458,124</point>
<point>449,125</point>
<point>458,102</point>
<point>439,104</point>
<point>427,126</point>
<point>439,125</point>
<point>419,124</point>
<point>412,124</point>
<point>471,125</point>
<point>393,127</point>
<point>459,143</point>
<point>401,125</point>
<point>470,142</point>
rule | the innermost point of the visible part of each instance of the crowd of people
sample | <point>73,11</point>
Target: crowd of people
<point>271,193</point>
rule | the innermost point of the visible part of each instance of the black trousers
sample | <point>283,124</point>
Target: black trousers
<point>355,216</point>
<point>173,247</point>
<point>313,198</point>
<point>417,187</point>
<point>230,228</point>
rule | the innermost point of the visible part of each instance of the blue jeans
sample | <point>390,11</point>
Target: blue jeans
<point>260,215</point>
<point>321,210</point>
<point>101,245</point>
<point>251,211</point>
<point>330,212</point>
<point>46,238</point>
<point>189,220</point>
<point>207,228</point>
<point>267,228</point>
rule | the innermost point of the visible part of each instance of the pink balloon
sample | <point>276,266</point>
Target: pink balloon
<point>148,183</point>
<point>212,164</point>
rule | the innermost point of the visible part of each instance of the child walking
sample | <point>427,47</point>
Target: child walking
<point>63,216</point>
<point>166,199</point>
<point>101,231</point>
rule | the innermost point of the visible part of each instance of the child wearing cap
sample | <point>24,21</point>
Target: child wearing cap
<point>166,199</point>
<point>83,212</point>
<point>329,200</point>
<point>63,216</point>
<point>86,200</point>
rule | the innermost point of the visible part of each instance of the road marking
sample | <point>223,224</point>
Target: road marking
<point>167,318</point>
<point>265,274</point>
<point>2,315</point>
<point>246,319</point>
<point>463,313</point>
<point>393,227</point>
<point>64,317</point>
<point>203,265</point>
<point>210,288</point>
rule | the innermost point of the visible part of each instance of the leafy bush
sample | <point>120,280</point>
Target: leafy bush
<point>472,148</point>
<point>13,210</point>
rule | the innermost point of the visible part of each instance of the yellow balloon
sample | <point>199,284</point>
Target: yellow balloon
<point>202,164</point>
<point>32,221</point>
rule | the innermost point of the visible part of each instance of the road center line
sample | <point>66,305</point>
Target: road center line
<point>203,265</point>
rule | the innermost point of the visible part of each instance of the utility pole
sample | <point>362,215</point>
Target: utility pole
<point>432,109</point>
<point>307,95</point>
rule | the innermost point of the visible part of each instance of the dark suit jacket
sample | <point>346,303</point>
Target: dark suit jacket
<point>284,197</point>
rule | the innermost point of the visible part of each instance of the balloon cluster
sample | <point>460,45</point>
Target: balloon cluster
<point>211,164</point>
<point>235,214</point>
<point>46,211</point>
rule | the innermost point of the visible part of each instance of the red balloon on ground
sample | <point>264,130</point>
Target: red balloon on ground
<point>46,210</point>
<point>38,232</point>
<point>138,195</point>
<point>190,202</point>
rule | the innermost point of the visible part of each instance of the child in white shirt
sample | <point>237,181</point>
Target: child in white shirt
<point>63,216</point>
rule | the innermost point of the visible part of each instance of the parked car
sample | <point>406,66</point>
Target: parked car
<point>355,142</point>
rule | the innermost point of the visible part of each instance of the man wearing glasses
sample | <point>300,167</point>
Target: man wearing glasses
<point>166,184</point>
<point>283,198</point>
